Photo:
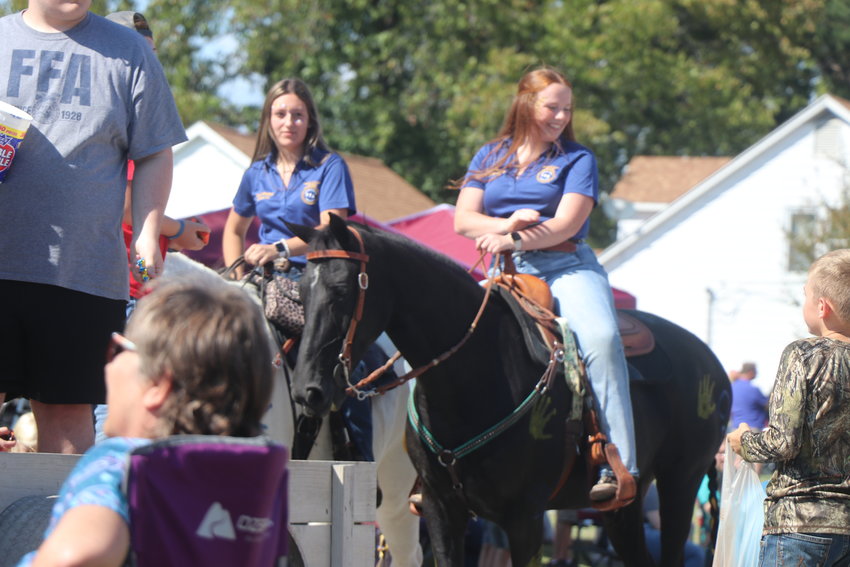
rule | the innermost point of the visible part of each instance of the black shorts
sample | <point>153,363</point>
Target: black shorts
<point>53,342</point>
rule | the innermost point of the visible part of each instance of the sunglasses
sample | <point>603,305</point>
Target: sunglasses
<point>117,344</point>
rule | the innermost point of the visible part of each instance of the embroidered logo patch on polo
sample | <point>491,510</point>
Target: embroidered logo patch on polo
<point>547,173</point>
<point>264,195</point>
<point>310,193</point>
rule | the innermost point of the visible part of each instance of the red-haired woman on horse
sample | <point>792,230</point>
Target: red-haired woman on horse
<point>531,191</point>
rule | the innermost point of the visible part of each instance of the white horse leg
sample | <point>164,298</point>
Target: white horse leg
<point>278,422</point>
<point>396,476</point>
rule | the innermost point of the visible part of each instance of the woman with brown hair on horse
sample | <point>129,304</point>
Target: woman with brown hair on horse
<point>530,191</point>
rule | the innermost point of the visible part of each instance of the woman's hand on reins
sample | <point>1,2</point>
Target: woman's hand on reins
<point>259,254</point>
<point>492,243</point>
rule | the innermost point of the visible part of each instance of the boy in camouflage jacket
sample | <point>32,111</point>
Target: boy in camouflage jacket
<point>807,510</point>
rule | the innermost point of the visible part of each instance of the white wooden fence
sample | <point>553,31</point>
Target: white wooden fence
<point>331,504</point>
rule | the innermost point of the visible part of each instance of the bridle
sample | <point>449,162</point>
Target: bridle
<point>344,357</point>
<point>363,284</point>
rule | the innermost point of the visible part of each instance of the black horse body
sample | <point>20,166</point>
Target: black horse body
<point>426,303</point>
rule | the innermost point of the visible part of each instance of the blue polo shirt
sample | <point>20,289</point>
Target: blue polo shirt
<point>311,190</point>
<point>558,171</point>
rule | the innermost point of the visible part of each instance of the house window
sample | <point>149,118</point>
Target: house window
<point>801,241</point>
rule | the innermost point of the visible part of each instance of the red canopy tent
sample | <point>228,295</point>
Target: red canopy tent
<point>210,255</point>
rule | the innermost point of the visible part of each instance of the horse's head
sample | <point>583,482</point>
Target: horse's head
<point>333,290</point>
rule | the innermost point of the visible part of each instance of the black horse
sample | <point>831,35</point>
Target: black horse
<point>426,303</point>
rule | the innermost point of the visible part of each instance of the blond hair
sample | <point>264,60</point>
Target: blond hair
<point>829,277</point>
<point>211,339</point>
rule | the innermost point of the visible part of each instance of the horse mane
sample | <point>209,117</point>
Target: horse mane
<point>406,247</point>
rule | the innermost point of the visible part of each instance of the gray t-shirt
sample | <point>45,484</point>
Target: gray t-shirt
<point>98,97</point>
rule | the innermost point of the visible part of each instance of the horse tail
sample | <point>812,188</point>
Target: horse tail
<point>714,507</point>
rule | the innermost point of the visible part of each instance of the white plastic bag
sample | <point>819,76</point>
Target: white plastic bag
<point>741,514</point>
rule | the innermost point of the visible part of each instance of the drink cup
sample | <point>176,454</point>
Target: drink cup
<point>13,126</point>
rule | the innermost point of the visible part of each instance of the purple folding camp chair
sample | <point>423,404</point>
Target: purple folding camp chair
<point>208,500</point>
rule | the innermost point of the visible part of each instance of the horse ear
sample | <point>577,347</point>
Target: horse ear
<point>305,233</point>
<point>338,228</point>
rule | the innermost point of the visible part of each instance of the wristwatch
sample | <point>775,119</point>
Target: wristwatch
<point>282,248</point>
<point>517,241</point>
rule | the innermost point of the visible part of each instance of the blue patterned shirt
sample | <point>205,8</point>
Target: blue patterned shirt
<point>95,480</point>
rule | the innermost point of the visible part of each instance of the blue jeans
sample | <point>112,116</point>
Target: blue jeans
<point>811,550</point>
<point>694,555</point>
<point>583,295</point>
<point>295,272</point>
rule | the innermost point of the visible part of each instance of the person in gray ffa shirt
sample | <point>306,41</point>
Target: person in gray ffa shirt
<point>98,97</point>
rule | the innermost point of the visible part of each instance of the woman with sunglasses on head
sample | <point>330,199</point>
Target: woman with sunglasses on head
<point>530,192</point>
<point>294,178</point>
<point>195,360</point>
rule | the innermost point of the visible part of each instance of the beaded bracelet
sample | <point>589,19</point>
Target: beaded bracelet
<point>143,269</point>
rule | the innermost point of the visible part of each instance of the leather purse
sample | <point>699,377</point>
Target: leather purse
<point>281,296</point>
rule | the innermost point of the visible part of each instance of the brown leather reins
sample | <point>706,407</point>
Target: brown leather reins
<point>345,353</point>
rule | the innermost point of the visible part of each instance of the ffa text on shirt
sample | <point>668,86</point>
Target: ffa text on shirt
<point>48,68</point>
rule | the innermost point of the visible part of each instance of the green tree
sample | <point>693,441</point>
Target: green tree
<point>387,74</point>
<point>97,6</point>
<point>422,85</point>
<point>183,32</point>
<point>829,38</point>
<point>11,6</point>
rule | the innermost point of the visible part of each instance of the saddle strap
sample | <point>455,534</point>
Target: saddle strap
<point>601,452</point>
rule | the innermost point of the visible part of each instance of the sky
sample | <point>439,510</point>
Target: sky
<point>241,91</point>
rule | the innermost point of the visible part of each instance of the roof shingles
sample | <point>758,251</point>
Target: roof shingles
<point>663,179</point>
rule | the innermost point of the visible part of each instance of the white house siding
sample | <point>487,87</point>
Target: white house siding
<point>640,214</point>
<point>717,265</point>
<point>207,173</point>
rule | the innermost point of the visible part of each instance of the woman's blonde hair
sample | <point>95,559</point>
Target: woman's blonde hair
<point>314,140</point>
<point>519,123</point>
<point>829,277</point>
<point>210,338</point>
